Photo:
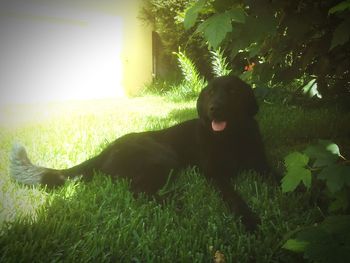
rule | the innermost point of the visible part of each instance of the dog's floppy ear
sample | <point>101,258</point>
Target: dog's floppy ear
<point>250,105</point>
<point>201,103</point>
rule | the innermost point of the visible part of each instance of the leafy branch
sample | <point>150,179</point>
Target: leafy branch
<point>330,240</point>
<point>287,40</point>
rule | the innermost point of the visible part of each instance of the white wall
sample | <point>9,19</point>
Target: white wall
<point>58,50</point>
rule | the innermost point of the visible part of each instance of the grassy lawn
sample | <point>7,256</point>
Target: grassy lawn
<point>101,221</point>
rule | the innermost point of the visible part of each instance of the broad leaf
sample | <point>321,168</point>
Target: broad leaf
<point>296,159</point>
<point>221,5</point>
<point>310,89</point>
<point>330,147</point>
<point>340,7</point>
<point>336,176</point>
<point>340,203</point>
<point>324,153</point>
<point>294,177</point>
<point>192,14</point>
<point>253,49</point>
<point>246,76</point>
<point>328,241</point>
<point>215,28</point>
<point>341,34</point>
<point>295,245</point>
<point>296,172</point>
<point>308,86</point>
<point>339,224</point>
<point>255,29</point>
<point>237,15</point>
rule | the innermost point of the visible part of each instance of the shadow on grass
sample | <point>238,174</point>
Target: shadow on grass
<point>183,114</point>
<point>174,117</point>
<point>102,221</point>
<point>288,128</point>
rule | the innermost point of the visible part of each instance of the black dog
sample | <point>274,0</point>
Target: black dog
<point>224,140</point>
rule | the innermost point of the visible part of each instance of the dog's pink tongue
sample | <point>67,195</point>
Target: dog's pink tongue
<point>218,125</point>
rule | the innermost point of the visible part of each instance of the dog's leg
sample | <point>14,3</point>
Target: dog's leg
<point>236,204</point>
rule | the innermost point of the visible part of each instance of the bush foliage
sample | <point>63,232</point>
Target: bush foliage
<point>288,40</point>
<point>279,41</point>
<point>322,167</point>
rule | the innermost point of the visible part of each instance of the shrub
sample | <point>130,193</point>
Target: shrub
<point>285,40</point>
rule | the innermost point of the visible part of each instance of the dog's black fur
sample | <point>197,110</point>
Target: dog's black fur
<point>147,157</point>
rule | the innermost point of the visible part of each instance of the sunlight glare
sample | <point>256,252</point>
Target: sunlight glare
<point>55,53</point>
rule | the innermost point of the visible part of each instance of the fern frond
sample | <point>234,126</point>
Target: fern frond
<point>219,64</point>
<point>192,78</point>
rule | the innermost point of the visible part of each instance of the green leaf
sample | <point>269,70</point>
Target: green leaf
<point>215,28</point>
<point>336,176</point>
<point>324,153</point>
<point>253,49</point>
<point>340,202</point>
<point>296,159</point>
<point>192,14</point>
<point>246,76</point>
<point>294,177</point>
<point>341,34</point>
<point>221,5</point>
<point>331,147</point>
<point>307,87</point>
<point>340,7</point>
<point>328,241</point>
<point>339,224</point>
<point>296,172</point>
<point>295,245</point>
<point>237,15</point>
<point>310,89</point>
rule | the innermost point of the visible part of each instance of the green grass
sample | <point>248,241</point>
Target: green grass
<point>101,221</point>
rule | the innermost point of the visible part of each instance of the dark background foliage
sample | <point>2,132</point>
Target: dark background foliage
<point>288,43</point>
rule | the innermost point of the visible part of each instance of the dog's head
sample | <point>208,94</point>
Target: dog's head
<point>225,101</point>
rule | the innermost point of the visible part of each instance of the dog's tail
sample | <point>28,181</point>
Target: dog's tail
<point>24,171</point>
